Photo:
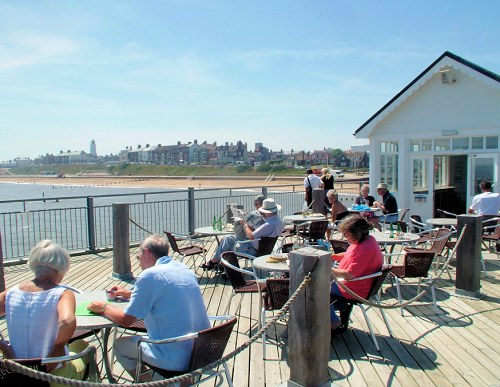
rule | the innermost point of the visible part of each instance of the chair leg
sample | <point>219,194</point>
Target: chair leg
<point>433,292</point>
<point>398,289</point>
<point>228,305</point>
<point>384,316</point>
<point>228,375</point>
<point>367,319</point>
<point>263,322</point>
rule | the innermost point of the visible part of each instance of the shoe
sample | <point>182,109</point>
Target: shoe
<point>209,265</point>
<point>337,331</point>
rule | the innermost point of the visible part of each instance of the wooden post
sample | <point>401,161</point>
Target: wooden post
<point>91,223</point>
<point>2,273</point>
<point>121,242</point>
<point>468,273</point>
<point>309,322</point>
<point>191,210</point>
<point>318,206</point>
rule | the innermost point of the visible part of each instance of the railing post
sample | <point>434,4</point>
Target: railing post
<point>309,322</point>
<point>2,274</point>
<point>264,192</point>
<point>191,217</point>
<point>318,205</point>
<point>121,242</point>
<point>468,273</point>
<point>91,223</point>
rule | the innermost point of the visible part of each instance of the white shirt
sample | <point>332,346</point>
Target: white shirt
<point>315,181</point>
<point>486,203</point>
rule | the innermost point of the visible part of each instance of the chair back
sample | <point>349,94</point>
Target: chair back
<point>210,344</point>
<point>172,242</point>
<point>403,214</point>
<point>286,247</point>
<point>416,222</point>
<point>418,263</point>
<point>439,241</point>
<point>377,284</point>
<point>402,225</point>
<point>277,293</point>
<point>235,277</point>
<point>445,214</point>
<point>317,229</point>
<point>339,246</point>
<point>266,245</point>
<point>11,378</point>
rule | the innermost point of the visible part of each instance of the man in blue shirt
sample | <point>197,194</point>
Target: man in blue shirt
<point>167,296</point>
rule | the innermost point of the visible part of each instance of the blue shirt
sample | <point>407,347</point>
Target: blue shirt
<point>272,227</point>
<point>167,296</point>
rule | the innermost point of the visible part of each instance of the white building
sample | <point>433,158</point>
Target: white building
<point>437,138</point>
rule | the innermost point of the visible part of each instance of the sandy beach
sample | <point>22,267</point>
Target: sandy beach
<point>158,182</point>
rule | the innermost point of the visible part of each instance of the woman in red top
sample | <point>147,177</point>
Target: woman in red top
<point>363,257</point>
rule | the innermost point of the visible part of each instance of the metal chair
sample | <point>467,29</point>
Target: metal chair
<point>417,224</point>
<point>186,251</point>
<point>316,231</point>
<point>339,246</point>
<point>345,312</point>
<point>276,295</point>
<point>491,235</point>
<point>416,265</point>
<point>434,242</point>
<point>266,246</point>
<point>445,214</point>
<point>240,285</point>
<point>208,347</point>
<point>13,379</point>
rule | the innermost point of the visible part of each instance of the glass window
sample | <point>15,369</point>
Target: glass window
<point>460,143</point>
<point>389,171</point>
<point>477,143</point>
<point>492,142</point>
<point>441,172</point>
<point>442,144</point>
<point>415,146</point>
<point>427,145</point>
<point>420,180</point>
<point>389,147</point>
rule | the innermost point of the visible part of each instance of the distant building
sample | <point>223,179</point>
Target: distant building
<point>93,149</point>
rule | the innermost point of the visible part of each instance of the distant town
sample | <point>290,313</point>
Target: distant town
<point>204,153</point>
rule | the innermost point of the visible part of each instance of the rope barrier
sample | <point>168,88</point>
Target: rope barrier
<point>10,364</point>
<point>417,297</point>
<point>140,227</point>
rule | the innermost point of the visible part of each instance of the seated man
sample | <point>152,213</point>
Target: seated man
<point>487,203</point>
<point>388,206</point>
<point>272,227</point>
<point>239,217</point>
<point>167,296</point>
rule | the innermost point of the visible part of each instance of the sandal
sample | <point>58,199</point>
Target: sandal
<point>209,265</point>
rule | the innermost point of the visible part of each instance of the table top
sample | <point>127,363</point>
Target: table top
<point>210,231</point>
<point>303,218</point>
<point>262,264</point>
<point>442,221</point>
<point>382,237</point>
<point>371,209</point>
<point>95,321</point>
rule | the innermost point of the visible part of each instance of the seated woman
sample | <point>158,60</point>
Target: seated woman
<point>363,257</point>
<point>40,313</point>
<point>339,211</point>
<point>365,197</point>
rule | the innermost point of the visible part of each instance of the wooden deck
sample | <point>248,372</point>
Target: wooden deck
<point>458,346</point>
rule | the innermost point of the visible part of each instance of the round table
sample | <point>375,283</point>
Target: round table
<point>383,238</point>
<point>261,263</point>
<point>93,322</point>
<point>303,218</point>
<point>446,222</point>
<point>209,231</point>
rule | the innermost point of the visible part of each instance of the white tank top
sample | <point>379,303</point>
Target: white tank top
<point>32,320</point>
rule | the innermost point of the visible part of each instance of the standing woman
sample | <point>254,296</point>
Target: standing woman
<point>328,181</point>
<point>40,313</point>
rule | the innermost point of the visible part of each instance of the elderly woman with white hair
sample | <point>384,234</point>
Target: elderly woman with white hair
<point>40,312</point>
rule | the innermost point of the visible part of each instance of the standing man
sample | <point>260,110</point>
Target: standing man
<point>311,182</point>
<point>167,296</point>
<point>487,202</point>
<point>388,206</point>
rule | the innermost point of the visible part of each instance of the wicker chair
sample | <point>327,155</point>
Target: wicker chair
<point>208,347</point>
<point>240,285</point>
<point>417,224</point>
<point>339,246</point>
<point>315,231</point>
<point>416,265</point>
<point>13,379</point>
<point>445,214</point>
<point>491,235</point>
<point>266,246</point>
<point>186,251</point>
<point>434,242</point>
<point>276,295</point>
<point>345,312</point>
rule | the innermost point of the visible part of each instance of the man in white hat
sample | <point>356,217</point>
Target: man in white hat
<point>388,206</point>
<point>272,227</point>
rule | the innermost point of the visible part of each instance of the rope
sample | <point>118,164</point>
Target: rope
<point>138,225</point>
<point>10,364</point>
<point>417,297</point>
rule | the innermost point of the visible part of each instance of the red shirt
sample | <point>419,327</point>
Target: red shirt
<point>360,260</point>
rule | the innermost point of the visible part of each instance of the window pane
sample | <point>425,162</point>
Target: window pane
<point>389,147</point>
<point>420,181</point>
<point>440,172</point>
<point>460,143</point>
<point>427,145</point>
<point>492,142</point>
<point>442,144</point>
<point>477,142</point>
<point>415,146</point>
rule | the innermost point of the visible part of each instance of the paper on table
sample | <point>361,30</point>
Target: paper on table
<point>81,310</point>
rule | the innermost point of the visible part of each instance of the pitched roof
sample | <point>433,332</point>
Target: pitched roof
<point>413,84</point>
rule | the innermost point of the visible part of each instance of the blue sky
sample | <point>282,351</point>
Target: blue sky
<point>291,74</point>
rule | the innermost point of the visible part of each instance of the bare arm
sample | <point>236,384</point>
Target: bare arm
<point>67,324</point>
<point>342,274</point>
<point>2,303</point>
<point>110,312</point>
<point>249,233</point>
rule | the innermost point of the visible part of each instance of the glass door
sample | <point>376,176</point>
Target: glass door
<point>420,196</point>
<point>481,167</point>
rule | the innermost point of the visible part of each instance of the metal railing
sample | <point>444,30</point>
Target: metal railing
<point>81,224</point>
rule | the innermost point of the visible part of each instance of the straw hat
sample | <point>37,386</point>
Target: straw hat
<point>269,207</point>
<point>382,185</point>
